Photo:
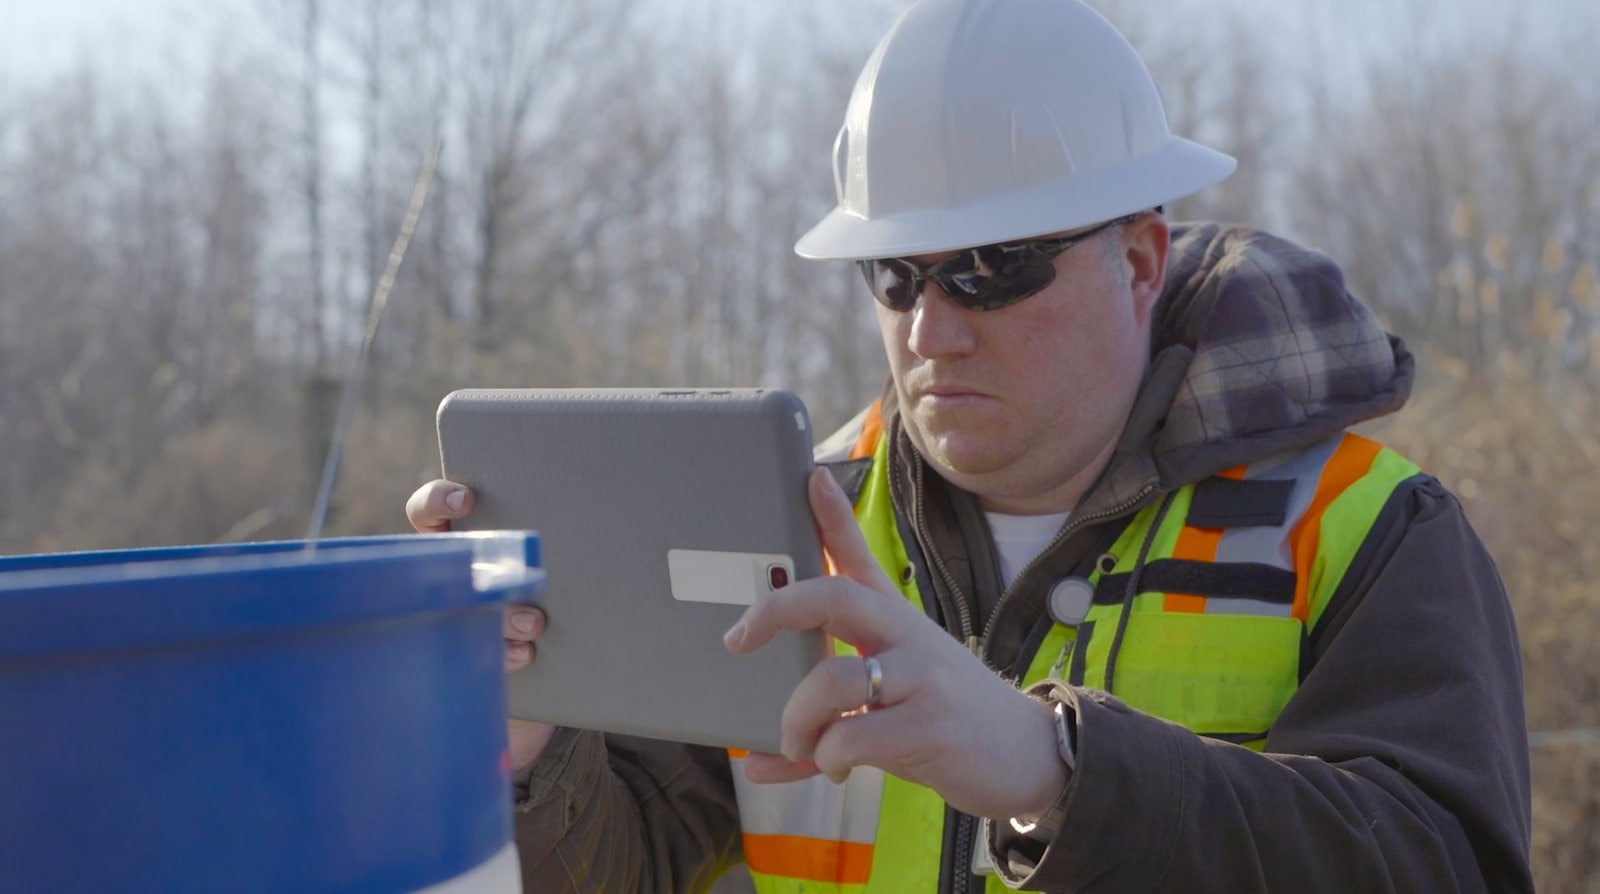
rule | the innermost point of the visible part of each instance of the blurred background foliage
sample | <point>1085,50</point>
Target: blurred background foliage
<point>185,258</point>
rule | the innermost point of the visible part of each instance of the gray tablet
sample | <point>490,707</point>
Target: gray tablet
<point>662,514</point>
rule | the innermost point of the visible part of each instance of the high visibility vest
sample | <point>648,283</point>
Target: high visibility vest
<point>1237,570</point>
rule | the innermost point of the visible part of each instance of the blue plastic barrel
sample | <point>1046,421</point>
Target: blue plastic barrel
<point>257,718</point>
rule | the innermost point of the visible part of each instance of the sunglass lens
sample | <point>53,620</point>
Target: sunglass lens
<point>1014,276</point>
<point>985,278</point>
<point>892,282</point>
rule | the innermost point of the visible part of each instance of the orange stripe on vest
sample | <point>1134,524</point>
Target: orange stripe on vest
<point>1352,460</point>
<point>871,430</point>
<point>813,859</point>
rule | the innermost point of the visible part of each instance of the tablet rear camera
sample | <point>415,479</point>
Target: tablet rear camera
<point>777,577</point>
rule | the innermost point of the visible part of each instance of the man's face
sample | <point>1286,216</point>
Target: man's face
<point>1023,405</point>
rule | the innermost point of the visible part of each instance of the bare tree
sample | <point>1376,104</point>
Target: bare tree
<point>1467,217</point>
<point>312,159</point>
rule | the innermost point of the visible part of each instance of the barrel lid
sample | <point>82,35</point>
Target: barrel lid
<point>64,603</point>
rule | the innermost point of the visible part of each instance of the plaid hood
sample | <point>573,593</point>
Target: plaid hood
<point>1257,349</point>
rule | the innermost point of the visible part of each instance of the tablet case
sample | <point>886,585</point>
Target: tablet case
<point>662,514</point>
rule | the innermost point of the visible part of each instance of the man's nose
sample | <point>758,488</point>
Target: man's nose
<point>939,326</point>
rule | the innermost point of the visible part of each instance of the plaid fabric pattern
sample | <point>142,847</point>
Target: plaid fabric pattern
<point>1279,341</point>
<point>1257,349</point>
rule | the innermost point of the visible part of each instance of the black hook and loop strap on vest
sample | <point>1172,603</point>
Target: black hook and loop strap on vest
<point>1230,580</point>
<point>1230,503</point>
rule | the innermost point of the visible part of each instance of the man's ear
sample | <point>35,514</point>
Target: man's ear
<point>1145,242</point>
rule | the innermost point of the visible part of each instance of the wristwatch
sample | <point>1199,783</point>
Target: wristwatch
<point>1044,828</point>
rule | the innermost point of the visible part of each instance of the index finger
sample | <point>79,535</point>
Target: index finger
<point>841,535</point>
<point>838,606</point>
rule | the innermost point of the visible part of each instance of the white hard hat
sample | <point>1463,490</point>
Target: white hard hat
<point>982,121</point>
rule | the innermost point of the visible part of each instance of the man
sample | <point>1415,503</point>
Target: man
<point>1254,652</point>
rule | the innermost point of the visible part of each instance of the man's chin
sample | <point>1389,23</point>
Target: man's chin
<point>958,457</point>
<point>961,442</point>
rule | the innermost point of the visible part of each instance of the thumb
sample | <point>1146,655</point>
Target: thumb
<point>841,536</point>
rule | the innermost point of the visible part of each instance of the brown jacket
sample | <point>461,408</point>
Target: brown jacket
<point>1400,764</point>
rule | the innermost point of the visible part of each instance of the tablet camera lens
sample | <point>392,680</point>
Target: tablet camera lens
<point>777,577</point>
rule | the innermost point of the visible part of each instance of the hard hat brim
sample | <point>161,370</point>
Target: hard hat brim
<point>1178,169</point>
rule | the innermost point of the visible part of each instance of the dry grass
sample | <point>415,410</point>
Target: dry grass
<point>1523,457</point>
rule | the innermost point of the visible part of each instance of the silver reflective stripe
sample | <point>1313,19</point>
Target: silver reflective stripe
<point>1218,605</point>
<point>1270,546</point>
<point>838,445</point>
<point>812,808</point>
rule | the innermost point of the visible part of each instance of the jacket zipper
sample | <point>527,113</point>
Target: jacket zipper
<point>960,873</point>
<point>1072,526</point>
<point>963,611</point>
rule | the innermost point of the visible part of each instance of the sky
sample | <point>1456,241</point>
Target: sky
<point>169,45</point>
<point>41,37</point>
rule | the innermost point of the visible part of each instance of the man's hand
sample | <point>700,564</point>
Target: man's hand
<point>431,510</point>
<point>943,719</point>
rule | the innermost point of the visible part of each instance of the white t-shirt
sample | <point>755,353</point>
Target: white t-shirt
<point>1019,538</point>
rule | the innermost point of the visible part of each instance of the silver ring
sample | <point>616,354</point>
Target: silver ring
<point>874,681</point>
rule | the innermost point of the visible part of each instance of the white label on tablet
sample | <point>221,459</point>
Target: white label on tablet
<point>726,578</point>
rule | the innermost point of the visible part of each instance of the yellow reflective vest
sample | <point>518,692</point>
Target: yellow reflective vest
<point>1213,586</point>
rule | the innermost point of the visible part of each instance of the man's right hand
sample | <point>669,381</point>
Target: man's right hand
<point>431,510</point>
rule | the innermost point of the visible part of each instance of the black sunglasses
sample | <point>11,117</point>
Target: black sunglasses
<point>988,277</point>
